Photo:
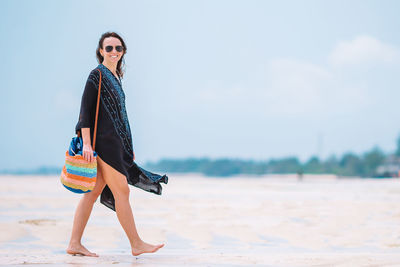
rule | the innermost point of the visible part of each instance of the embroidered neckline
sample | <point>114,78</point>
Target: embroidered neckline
<point>110,72</point>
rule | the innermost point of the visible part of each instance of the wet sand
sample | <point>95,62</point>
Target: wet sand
<point>203,221</point>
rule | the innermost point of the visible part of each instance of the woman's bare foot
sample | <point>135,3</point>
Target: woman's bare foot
<point>144,247</point>
<point>79,249</point>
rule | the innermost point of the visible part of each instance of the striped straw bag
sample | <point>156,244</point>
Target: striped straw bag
<point>79,175</point>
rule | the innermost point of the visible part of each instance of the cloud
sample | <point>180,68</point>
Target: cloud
<point>290,87</point>
<point>293,86</point>
<point>363,50</point>
<point>300,88</point>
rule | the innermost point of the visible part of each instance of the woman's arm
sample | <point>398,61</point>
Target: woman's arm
<point>87,151</point>
<point>88,104</point>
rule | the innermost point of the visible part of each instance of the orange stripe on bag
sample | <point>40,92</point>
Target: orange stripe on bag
<point>77,182</point>
<point>78,159</point>
<point>75,186</point>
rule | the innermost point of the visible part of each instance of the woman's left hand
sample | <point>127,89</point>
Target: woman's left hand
<point>133,155</point>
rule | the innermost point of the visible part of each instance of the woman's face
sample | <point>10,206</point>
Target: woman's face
<point>112,50</point>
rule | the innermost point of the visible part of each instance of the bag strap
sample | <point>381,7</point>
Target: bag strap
<point>97,112</point>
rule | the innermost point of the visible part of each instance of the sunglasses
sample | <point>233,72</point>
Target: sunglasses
<point>109,48</point>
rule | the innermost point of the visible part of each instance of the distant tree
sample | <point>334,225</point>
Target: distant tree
<point>351,165</point>
<point>179,165</point>
<point>313,165</point>
<point>223,167</point>
<point>285,165</point>
<point>398,147</point>
<point>331,165</point>
<point>372,159</point>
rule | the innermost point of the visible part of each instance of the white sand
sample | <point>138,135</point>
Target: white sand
<point>270,221</point>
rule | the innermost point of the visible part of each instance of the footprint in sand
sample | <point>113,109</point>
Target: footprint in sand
<point>39,222</point>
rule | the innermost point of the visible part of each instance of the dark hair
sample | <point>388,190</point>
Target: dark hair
<point>100,58</point>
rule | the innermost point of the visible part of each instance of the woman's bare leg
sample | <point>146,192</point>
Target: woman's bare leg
<point>120,189</point>
<point>81,218</point>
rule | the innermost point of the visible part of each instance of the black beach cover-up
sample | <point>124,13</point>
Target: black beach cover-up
<point>113,140</point>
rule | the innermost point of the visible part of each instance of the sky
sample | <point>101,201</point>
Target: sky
<point>219,79</point>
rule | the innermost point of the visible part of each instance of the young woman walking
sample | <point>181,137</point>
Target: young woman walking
<point>115,156</point>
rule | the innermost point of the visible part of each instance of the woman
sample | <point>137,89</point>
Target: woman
<point>115,157</point>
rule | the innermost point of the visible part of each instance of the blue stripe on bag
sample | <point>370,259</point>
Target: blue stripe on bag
<point>81,169</point>
<point>75,190</point>
<point>80,172</point>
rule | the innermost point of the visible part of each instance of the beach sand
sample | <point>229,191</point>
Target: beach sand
<point>205,221</point>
